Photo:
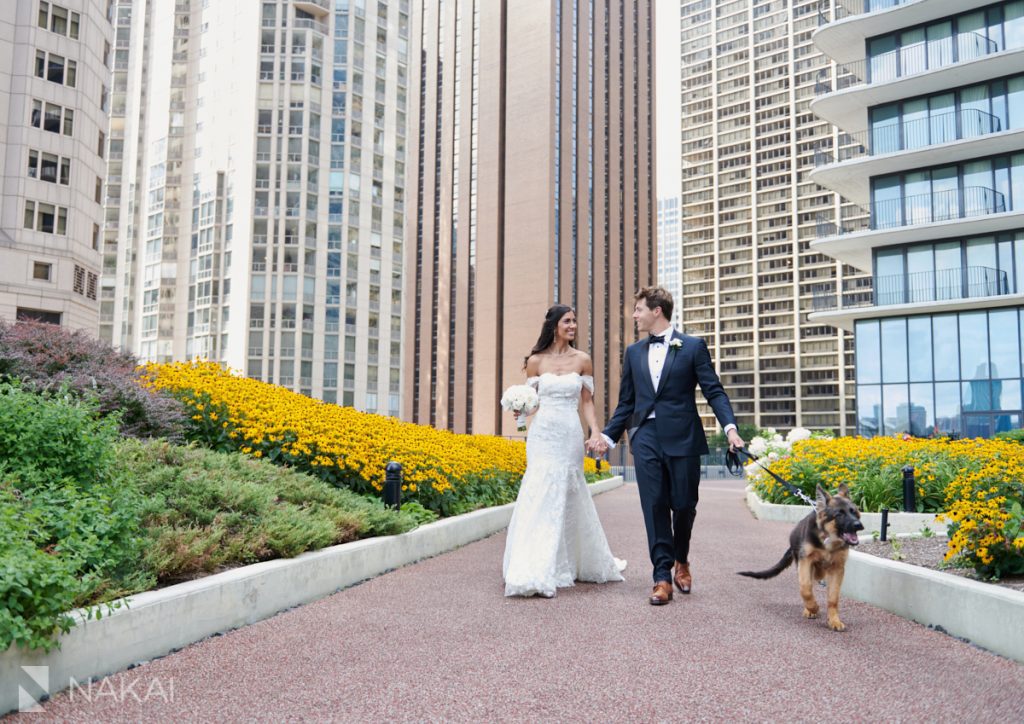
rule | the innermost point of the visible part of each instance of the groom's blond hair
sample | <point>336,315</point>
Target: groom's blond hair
<point>655,297</point>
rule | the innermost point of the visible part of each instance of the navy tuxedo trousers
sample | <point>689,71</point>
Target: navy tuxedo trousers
<point>668,496</point>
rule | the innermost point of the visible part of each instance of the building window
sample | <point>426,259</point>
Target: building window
<point>968,384</point>
<point>58,20</point>
<point>42,271</point>
<point>46,218</point>
<point>48,167</point>
<point>37,315</point>
<point>101,145</point>
<point>56,68</point>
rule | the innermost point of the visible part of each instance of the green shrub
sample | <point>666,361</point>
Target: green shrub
<point>45,438</point>
<point>207,510</point>
<point>1015,435</point>
<point>36,587</point>
<point>69,526</point>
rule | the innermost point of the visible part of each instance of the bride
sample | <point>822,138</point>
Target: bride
<point>555,537</point>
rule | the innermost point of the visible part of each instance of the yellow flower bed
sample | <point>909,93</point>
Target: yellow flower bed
<point>978,483</point>
<point>340,444</point>
<point>984,508</point>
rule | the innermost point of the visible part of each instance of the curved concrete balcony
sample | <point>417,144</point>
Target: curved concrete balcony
<point>843,35</point>
<point>316,8</point>
<point>919,143</point>
<point>904,74</point>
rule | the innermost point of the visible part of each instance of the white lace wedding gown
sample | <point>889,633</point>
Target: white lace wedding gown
<point>555,537</point>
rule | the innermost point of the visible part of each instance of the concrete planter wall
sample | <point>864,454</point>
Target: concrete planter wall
<point>161,621</point>
<point>987,615</point>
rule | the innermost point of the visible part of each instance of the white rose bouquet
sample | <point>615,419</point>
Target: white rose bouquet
<point>520,400</point>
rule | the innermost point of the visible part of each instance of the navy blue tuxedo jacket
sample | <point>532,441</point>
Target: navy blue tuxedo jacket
<point>674,403</point>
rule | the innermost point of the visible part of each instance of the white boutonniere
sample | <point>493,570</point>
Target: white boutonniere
<point>674,344</point>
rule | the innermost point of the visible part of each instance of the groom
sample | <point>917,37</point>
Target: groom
<point>656,402</point>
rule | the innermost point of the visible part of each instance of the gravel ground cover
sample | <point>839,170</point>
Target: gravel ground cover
<point>929,553</point>
<point>437,641</point>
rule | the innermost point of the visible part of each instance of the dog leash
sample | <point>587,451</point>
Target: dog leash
<point>735,467</point>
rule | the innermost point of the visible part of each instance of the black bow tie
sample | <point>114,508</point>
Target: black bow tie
<point>655,339</point>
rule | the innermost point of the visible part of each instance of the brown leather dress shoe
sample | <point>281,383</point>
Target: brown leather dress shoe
<point>682,577</point>
<point>661,594</point>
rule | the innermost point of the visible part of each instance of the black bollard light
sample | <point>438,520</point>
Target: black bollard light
<point>393,485</point>
<point>909,502</point>
<point>885,524</point>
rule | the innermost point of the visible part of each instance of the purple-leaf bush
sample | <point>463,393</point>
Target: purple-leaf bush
<point>46,357</point>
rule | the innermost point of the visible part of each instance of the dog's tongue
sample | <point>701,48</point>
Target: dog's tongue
<point>851,538</point>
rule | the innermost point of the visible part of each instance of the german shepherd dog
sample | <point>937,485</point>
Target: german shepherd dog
<point>820,544</point>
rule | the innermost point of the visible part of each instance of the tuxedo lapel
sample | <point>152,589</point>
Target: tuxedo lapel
<point>645,368</point>
<point>670,358</point>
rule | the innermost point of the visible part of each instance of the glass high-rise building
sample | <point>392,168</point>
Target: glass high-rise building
<point>261,172</point>
<point>930,97</point>
<point>54,102</point>
<point>670,252</point>
<point>533,151</point>
<point>750,211</point>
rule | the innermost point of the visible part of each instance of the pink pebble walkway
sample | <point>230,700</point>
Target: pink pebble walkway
<point>437,641</point>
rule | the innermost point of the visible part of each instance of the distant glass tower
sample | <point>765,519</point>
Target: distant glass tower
<point>670,253</point>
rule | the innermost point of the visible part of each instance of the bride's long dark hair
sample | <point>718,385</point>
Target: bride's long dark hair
<point>547,331</point>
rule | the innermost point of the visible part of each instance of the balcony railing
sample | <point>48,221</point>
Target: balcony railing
<point>906,61</point>
<point>943,284</point>
<point>941,206</point>
<point>907,135</point>
<point>918,209</point>
<point>311,24</point>
<point>845,8</point>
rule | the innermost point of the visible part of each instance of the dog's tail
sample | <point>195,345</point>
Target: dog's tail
<point>774,570</point>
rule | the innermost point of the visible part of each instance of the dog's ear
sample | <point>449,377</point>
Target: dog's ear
<point>823,498</point>
<point>843,490</point>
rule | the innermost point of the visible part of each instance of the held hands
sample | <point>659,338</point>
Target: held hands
<point>735,441</point>
<point>596,445</point>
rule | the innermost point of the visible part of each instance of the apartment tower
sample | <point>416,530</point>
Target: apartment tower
<point>262,190</point>
<point>749,213</point>
<point>54,99</point>
<point>533,148</point>
<point>930,97</point>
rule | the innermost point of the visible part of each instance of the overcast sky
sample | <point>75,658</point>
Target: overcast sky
<point>667,101</point>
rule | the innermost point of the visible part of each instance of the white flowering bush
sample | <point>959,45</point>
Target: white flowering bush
<point>771,446</point>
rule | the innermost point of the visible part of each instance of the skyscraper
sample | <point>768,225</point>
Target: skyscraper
<point>750,210</point>
<point>931,101</point>
<point>54,101</point>
<point>534,155</point>
<point>262,190</point>
<point>670,252</point>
